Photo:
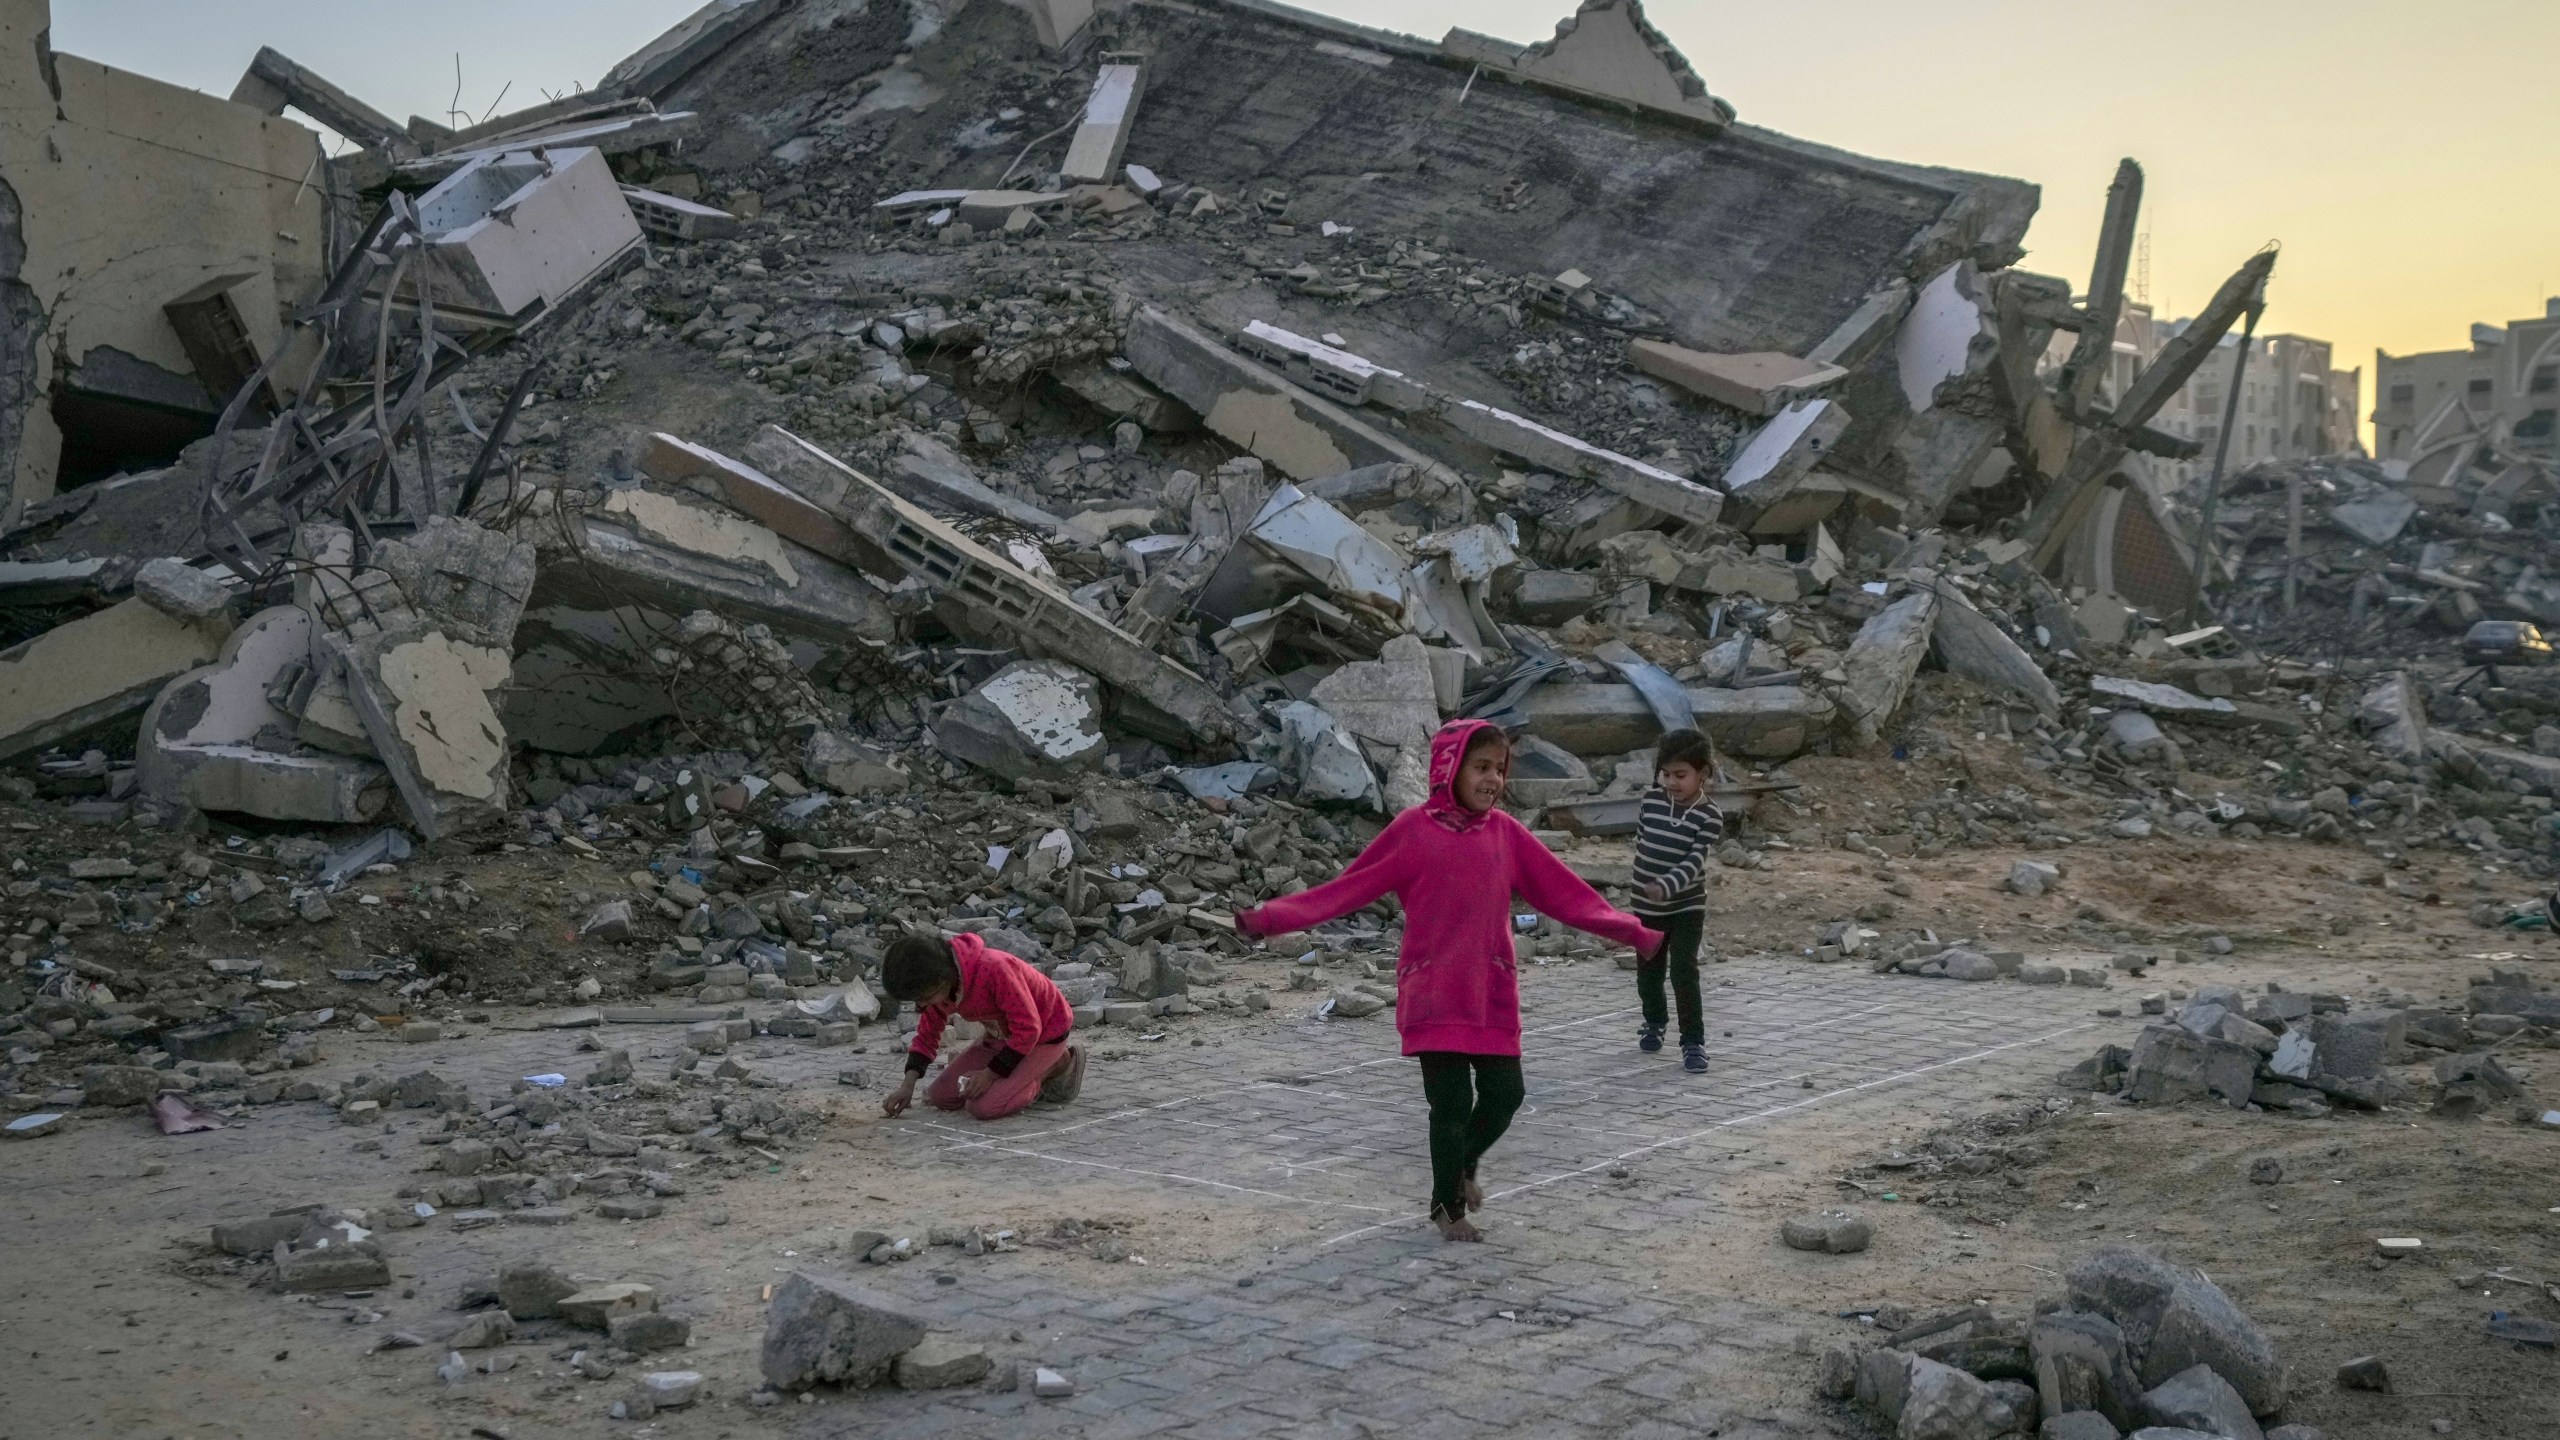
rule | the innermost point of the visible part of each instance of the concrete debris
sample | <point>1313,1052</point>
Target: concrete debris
<point>823,1331</point>
<point>1033,719</point>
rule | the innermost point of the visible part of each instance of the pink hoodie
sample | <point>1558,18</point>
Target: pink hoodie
<point>1455,869</point>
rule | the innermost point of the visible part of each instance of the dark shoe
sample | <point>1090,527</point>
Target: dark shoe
<point>1649,1039</point>
<point>1693,1058</point>
<point>1067,1081</point>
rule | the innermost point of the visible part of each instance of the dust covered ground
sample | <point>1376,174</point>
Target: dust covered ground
<point>1222,1235</point>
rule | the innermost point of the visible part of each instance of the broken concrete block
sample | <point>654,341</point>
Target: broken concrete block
<point>2171,1064</point>
<point>425,702</point>
<point>519,232</point>
<point>471,581</point>
<point>1830,1232</point>
<point>1325,758</point>
<point>1968,644</point>
<point>1032,719</point>
<point>1882,661</point>
<point>2395,718</point>
<point>1783,451</point>
<point>1392,703</point>
<point>2200,1326</point>
<point>822,1331</point>
<point>531,1291</point>
<point>181,591</point>
<point>2198,1399</point>
<point>1548,598</point>
<point>1760,382</point>
<point>598,1306</point>
<point>94,670</point>
<point>2081,1365</point>
<point>203,740</point>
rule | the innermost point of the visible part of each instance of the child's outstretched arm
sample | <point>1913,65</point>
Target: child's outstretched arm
<point>1553,890</point>
<point>1379,869</point>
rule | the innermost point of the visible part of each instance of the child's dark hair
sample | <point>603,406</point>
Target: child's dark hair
<point>916,965</point>
<point>1484,739</point>
<point>1686,747</point>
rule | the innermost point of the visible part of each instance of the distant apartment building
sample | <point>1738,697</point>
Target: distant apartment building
<point>2294,405</point>
<point>2447,409</point>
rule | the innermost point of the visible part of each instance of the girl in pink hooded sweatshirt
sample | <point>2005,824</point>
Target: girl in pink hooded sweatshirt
<point>1456,861</point>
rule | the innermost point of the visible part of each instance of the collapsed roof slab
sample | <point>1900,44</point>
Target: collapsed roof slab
<point>1746,240</point>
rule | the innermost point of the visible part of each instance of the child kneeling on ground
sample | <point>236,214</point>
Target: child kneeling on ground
<point>1455,861</point>
<point>1026,1054</point>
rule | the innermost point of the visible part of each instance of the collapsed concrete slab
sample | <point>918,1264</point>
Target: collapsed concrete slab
<point>1300,434</point>
<point>273,82</point>
<point>94,670</point>
<point>658,67</point>
<point>1883,660</point>
<point>1760,382</point>
<point>1777,456</point>
<point>214,739</point>
<point>426,704</point>
<point>1768,722</point>
<point>933,474</point>
<point>981,593</point>
<point>1356,380</point>
<point>708,533</point>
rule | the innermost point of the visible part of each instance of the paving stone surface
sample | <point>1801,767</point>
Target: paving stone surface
<point>1368,1325</point>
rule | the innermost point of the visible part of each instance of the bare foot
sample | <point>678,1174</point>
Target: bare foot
<point>1474,1194</point>
<point>1457,1227</point>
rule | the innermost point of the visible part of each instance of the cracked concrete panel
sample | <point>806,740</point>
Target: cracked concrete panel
<point>93,670</point>
<point>1269,425</point>
<point>426,705</point>
<point>709,533</point>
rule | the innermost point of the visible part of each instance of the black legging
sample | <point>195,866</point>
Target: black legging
<point>1473,1098</point>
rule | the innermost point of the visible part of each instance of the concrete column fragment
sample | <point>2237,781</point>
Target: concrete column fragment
<point>1110,112</point>
<point>517,233</point>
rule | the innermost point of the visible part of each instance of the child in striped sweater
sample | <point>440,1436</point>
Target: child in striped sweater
<point>1676,832</point>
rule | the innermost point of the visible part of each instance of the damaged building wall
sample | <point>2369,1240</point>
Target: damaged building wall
<point>128,194</point>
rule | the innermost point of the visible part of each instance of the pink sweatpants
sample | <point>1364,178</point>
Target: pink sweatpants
<point>1009,1092</point>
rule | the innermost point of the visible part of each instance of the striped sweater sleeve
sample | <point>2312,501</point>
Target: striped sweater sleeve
<point>1672,845</point>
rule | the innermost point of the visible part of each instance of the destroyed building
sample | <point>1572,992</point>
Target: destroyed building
<point>1044,469</point>
<point>1217,398</point>
<point>1628,413</point>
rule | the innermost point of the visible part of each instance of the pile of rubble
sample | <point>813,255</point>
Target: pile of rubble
<point>2135,1346</point>
<point>1081,529</point>
<point>2306,1053</point>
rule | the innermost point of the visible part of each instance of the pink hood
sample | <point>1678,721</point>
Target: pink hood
<point>1448,752</point>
